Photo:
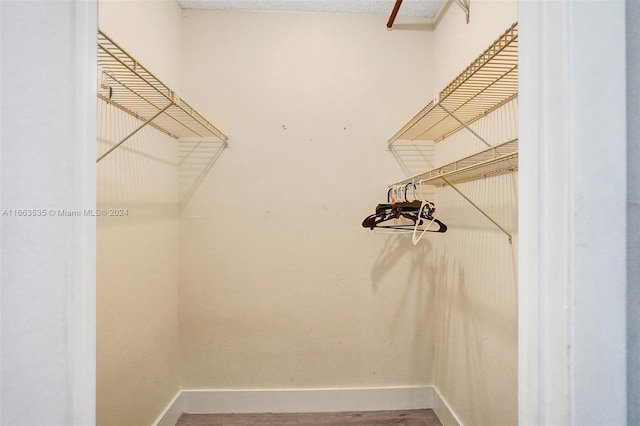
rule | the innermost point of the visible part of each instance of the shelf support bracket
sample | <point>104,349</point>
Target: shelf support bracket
<point>464,125</point>
<point>113,148</point>
<point>479,209</point>
<point>464,5</point>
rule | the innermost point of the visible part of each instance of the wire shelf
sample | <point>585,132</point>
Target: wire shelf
<point>131,87</point>
<point>489,82</point>
<point>495,160</point>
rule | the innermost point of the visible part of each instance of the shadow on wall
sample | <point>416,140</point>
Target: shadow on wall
<point>414,269</point>
<point>419,272</point>
<point>416,26</point>
<point>115,125</point>
<point>396,248</point>
<point>196,160</point>
<point>150,170</point>
<point>460,334</point>
<point>141,174</point>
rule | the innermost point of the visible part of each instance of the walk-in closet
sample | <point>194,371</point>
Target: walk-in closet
<point>319,212</point>
<point>272,135</point>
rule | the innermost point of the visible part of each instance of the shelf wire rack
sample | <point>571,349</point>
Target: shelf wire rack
<point>498,159</point>
<point>489,82</point>
<point>129,86</point>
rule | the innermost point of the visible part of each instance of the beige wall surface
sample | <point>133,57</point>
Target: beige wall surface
<point>475,366</point>
<point>149,30</point>
<point>280,285</point>
<point>137,254</point>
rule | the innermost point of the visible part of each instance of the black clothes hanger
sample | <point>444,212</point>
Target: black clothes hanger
<point>419,213</point>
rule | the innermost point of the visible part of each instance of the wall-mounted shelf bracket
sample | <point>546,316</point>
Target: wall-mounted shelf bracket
<point>479,209</point>
<point>464,5</point>
<point>464,125</point>
<point>142,126</point>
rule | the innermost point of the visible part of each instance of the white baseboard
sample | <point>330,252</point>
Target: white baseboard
<point>306,400</point>
<point>171,414</point>
<point>444,411</point>
<point>220,401</point>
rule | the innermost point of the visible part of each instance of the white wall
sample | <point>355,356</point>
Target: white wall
<point>633,211</point>
<point>572,281</point>
<point>280,285</point>
<point>475,367</point>
<point>47,261</point>
<point>138,338</point>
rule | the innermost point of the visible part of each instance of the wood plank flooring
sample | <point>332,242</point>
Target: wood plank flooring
<point>368,418</point>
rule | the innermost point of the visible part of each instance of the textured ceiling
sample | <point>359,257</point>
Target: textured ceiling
<point>425,8</point>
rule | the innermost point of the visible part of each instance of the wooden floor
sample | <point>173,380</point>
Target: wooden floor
<point>368,418</point>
